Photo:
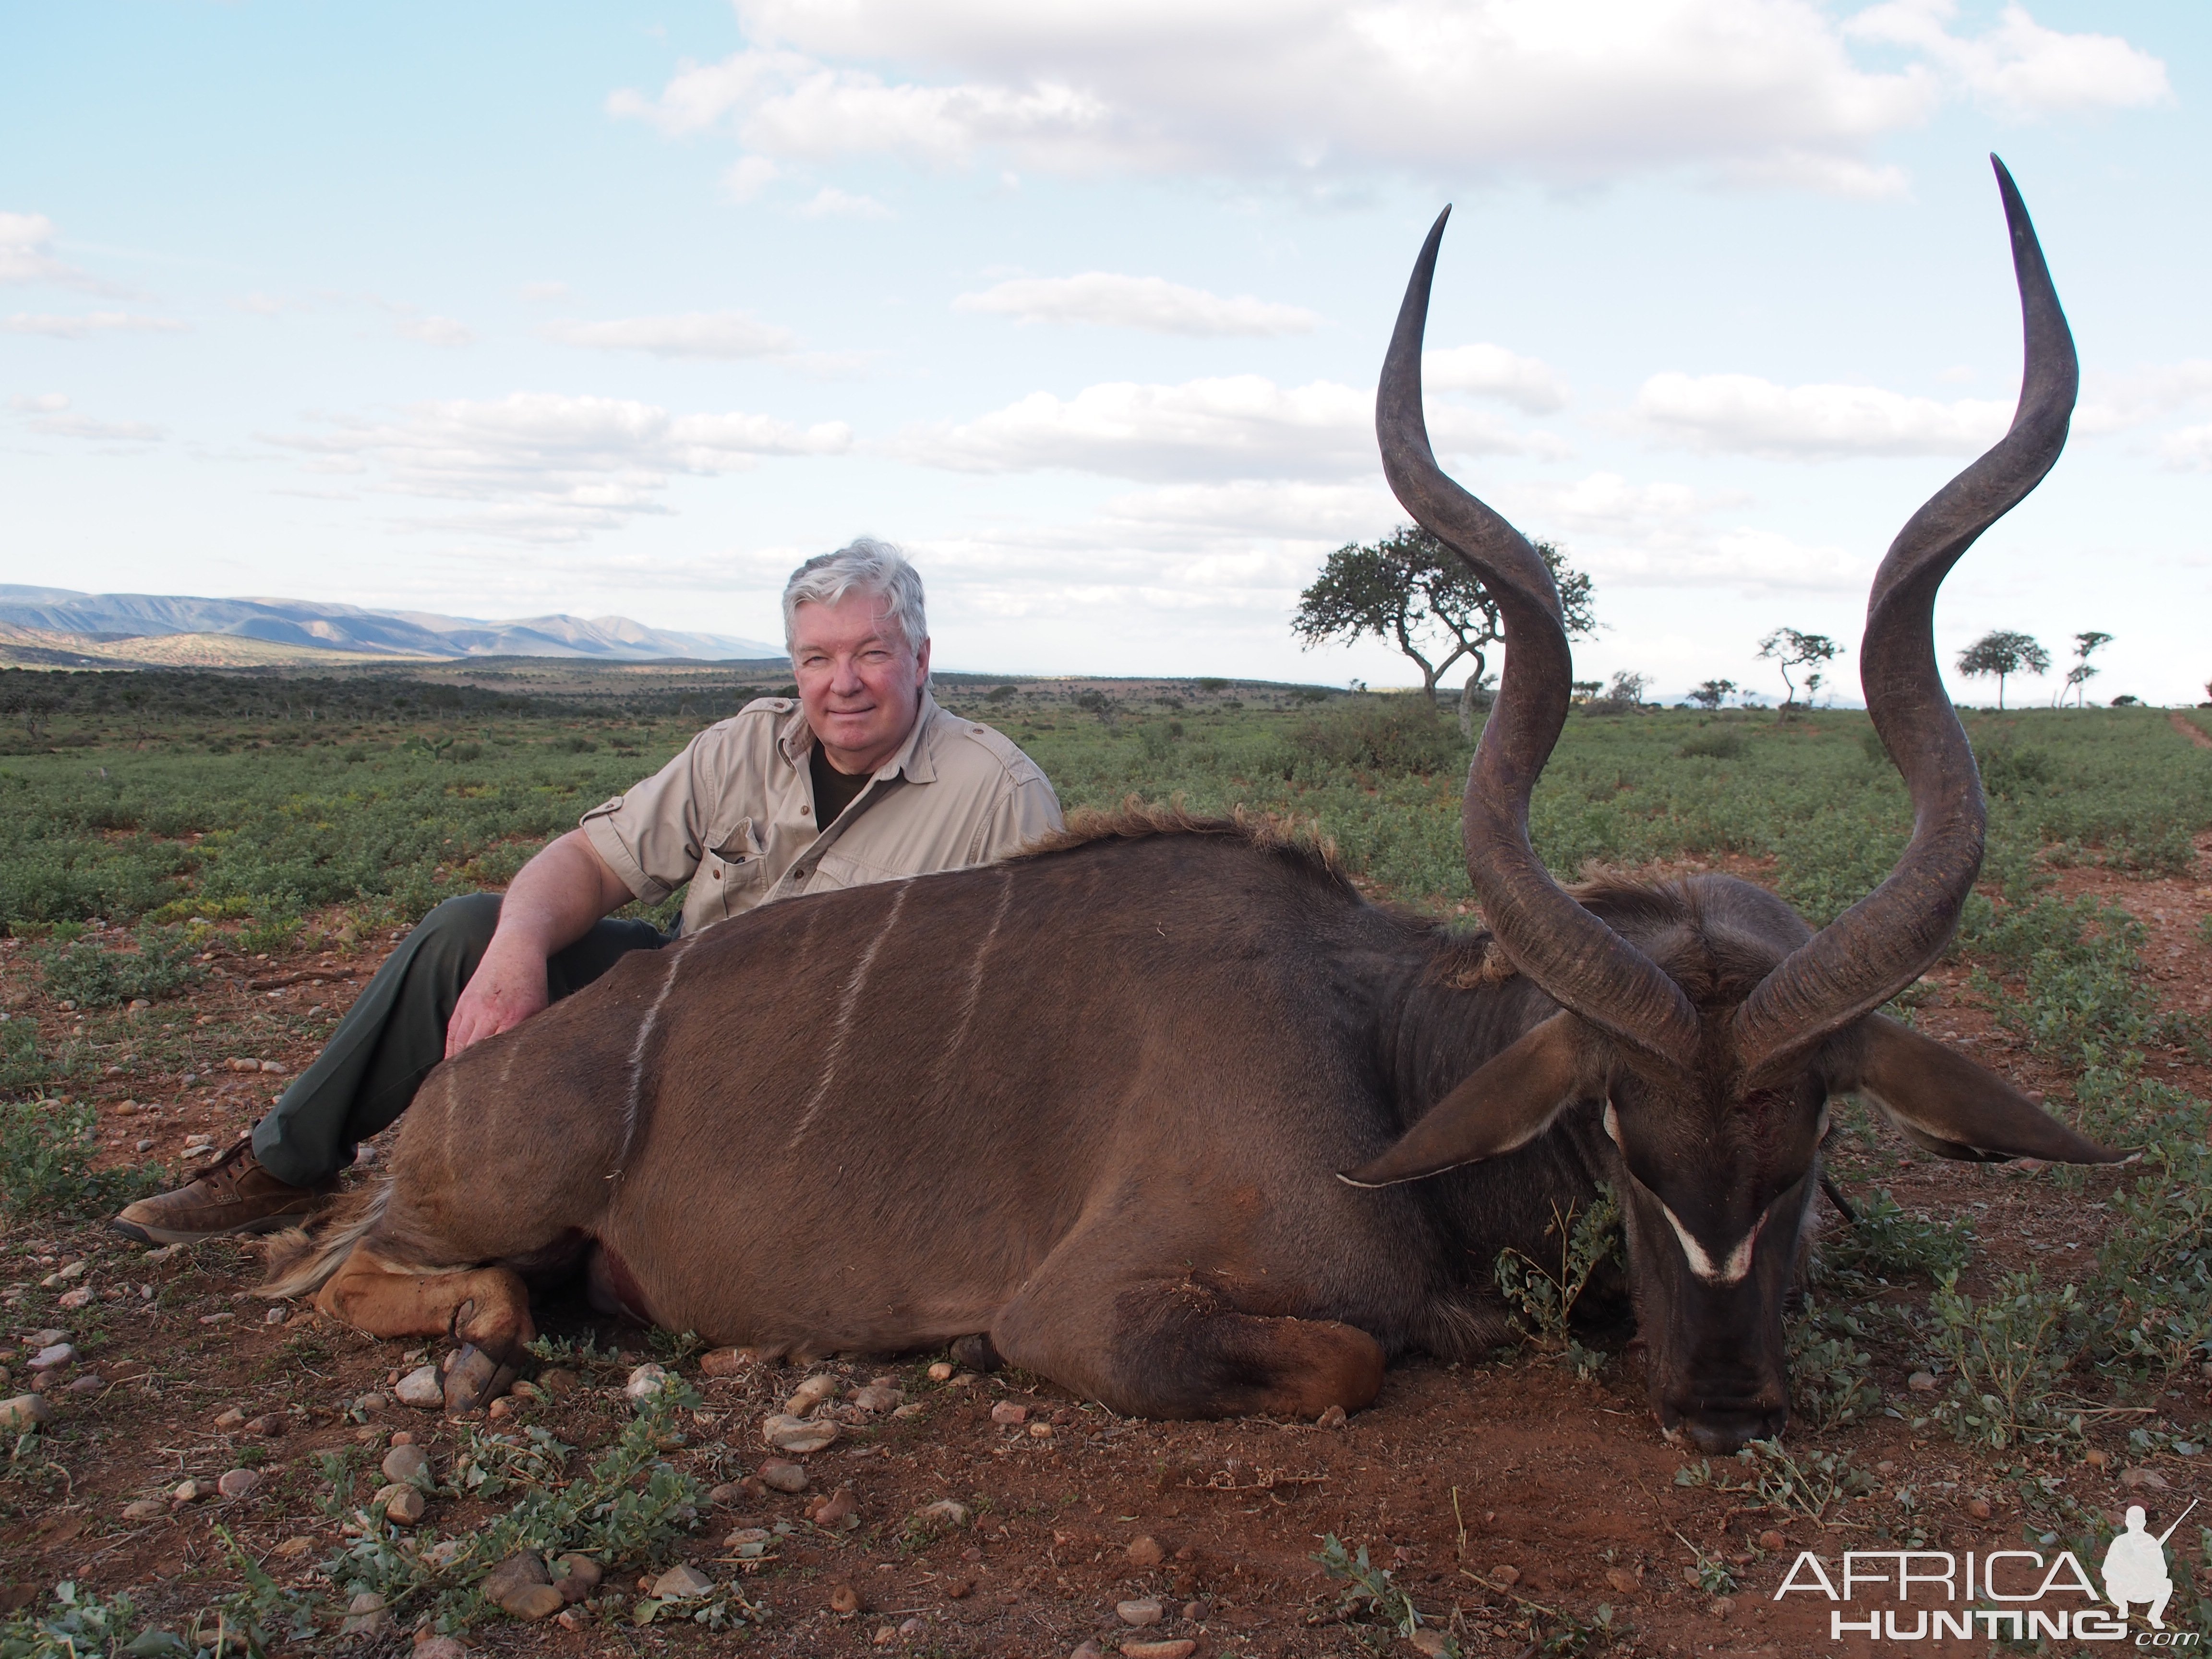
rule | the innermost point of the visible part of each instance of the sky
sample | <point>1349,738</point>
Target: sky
<point>626,308</point>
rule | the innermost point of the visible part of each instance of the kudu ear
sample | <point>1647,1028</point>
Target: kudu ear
<point>1947,1105</point>
<point>1510,1101</point>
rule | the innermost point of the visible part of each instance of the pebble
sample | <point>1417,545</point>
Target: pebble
<point>912,1628</point>
<point>187,1492</point>
<point>79,1297</point>
<point>810,1393</point>
<point>844,1601</point>
<point>580,1578</point>
<point>518,1586</point>
<point>440,1647</point>
<point>404,1462</point>
<point>1145,1552</point>
<point>236,1483</point>
<point>727,1494</point>
<point>646,1382</point>
<point>558,1381</point>
<point>682,1582</point>
<point>294,1547</point>
<point>52,1355</point>
<point>1088,1650</point>
<point>1721,1607</point>
<point>1333,1418</point>
<point>1427,1641</point>
<point>837,1512</point>
<point>145,1508</point>
<point>723,1362</point>
<point>1978,1508</point>
<point>1145,1610</point>
<point>783,1475</point>
<point>226,1421</point>
<point>1770,1541</point>
<point>445,1551</point>
<point>502,1407</point>
<point>1506,1575</point>
<point>90,1383</point>
<point>2096,1457</point>
<point>1921,1382</point>
<point>420,1389</point>
<point>48,1339</point>
<point>1007,1411</point>
<point>940,1372</point>
<point>2150,1477</point>
<point>402,1504</point>
<point>275,1316</point>
<point>1041,1430</point>
<point>1624,1582</point>
<point>877,1397</point>
<point>368,1404</point>
<point>796,1434</point>
<point>365,1615</point>
<point>1181,1647</point>
<point>944,1513</point>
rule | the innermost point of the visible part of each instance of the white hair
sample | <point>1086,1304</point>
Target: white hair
<point>865,565</point>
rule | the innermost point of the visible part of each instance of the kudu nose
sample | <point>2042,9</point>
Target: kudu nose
<point>1724,1428</point>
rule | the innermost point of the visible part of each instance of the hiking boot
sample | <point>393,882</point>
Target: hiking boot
<point>235,1195</point>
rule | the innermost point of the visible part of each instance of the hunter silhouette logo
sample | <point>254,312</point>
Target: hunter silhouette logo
<point>2036,1596</point>
<point>2135,1566</point>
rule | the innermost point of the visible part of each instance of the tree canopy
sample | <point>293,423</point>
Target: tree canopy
<point>1411,590</point>
<point>2003,651</point>
<point>2079,676</point>
<point>1789,647</point>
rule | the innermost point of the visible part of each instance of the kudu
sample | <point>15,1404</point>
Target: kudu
<point>1091,1103</point>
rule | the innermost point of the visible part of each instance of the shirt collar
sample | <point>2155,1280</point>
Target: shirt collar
<point>912,758</point>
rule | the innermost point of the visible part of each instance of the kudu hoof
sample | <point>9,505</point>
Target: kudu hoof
<point>976,1352</point>
<point>474,1380</point>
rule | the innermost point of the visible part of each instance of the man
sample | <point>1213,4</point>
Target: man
<point>2135,1568</point>
<point>865,780</point>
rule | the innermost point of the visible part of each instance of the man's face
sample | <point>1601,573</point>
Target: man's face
<point>859,682</point>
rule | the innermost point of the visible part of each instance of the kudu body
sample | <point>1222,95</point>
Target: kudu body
<point>1092,1102</point>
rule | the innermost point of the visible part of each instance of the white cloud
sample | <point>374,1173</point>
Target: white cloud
<point>1742,414</point>
<point>1241,426</point>
<point>831,203</point>
<point>542,293</point>
<point>431,331</point>
<point>1151,303</point>
<point>2189,449</point>
<point>538,466</point>
<point>264,304</point>
<point>692,334</point>
<point>24,240</point>
<point>80,325</point>
<point>2117,402</point>
<point>2020,67</point>
<point>1324,514</point>
<point>78,426</point>
<point>38,403</point>
<point>1321,90</point>
<point>1527,383</point>
<point>749,175</point>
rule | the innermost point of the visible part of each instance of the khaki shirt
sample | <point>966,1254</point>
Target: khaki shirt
<point>733,814</point>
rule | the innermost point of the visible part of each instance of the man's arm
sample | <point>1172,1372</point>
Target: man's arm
<point>550,904</point>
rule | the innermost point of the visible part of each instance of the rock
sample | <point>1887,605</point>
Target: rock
<point>1145,1552</point>
<point>2150,1477</point>
<point>1921,1382</point>
<point>944,1513</point>
<point>940,1372</point>
<point>236,1483</point>
<point>844,1601</point>
<point>1770,1541</point>
<point>724,1362</point>
<point>911,1409</point>
<point>403,1437</point>
<point>1720,1606</point>
<point>958,1585</point>
<point>1088,1650</point>
<point>54,1354</point>
<point>1333,1418</point>
<point>1978,1508</point>
<point>647,1381</point>
<point>405,1462</point>
<point>810,1393</point>
<point>1425,1641</point>
<point>294,1547</point>
<point>558,1381</point>
<point>145,1508</point>
<point>1181,1647</point>
<point>268,1425</point>
<point>365,1615</point>
<point>837,1512</point>
<point>782,1476</point>
<point>682,1582</point>
<point>369,1404</point>
<point>2097,1458</point>
<point>79,1297</point>
<point>536,1603</point>
<point>796,1434</point>
<point>52,1338</point>
<point>912,1628</point>
<point>511,1577</point>
<point>440,1647</point>
<point>877,1397</point>
<point>1145,1610</point>
<point>749,1542</point>
<point>401,1504</point>
<point>576,1576</point>
<point>1506,1575</point>
<point>420,1389</point>
<point>727,1494</point>
<point>187,1492</point>
<point>90,1383</point>
<point>447,1551</point>
<point>1624,1582</point>
<point>1006,1412</point>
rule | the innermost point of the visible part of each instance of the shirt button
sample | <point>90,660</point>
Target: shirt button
<point>717,875</point>
<point>806,811</point>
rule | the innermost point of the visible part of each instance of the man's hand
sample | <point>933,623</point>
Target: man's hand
<point>552,902</point>
<point>508,987</point>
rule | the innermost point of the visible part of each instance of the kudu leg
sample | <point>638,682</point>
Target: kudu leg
<point>1174,1349</point>
<point>485,1309</point>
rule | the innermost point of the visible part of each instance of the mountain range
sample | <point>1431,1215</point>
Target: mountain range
<point>61,615</point>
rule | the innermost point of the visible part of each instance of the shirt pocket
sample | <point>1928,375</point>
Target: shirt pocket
<point>733,872</point>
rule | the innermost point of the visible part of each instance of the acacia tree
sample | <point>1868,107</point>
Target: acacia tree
<point>2002,652</point>
<point>1411,590</point>
<point>1713,693</point>
<point>1789,647</point>
<point>2079,676</point>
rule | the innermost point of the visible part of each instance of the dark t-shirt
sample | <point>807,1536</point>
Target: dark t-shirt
<point>833,791</point>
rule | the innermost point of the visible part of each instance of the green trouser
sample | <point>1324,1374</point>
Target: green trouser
<point>396,1032</point>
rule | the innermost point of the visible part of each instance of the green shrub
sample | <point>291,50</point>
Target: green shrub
<point>1392,735</point>
<point>45,1163</point>
<point>1887,1242</point>
<point>2007,1352</point>
<point>1714,743</point>
<point>97,976</point>
<point>26,1067</point>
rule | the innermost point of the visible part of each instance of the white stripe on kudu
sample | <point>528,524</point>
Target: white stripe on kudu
<point>846,1004</point>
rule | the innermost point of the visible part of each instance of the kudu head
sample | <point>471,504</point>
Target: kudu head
<point>1714,1040</point>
